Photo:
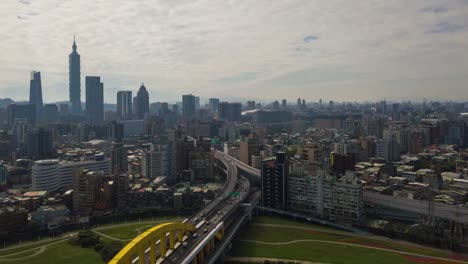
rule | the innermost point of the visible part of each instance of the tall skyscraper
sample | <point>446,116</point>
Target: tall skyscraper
<point>124,104</point>
<point>188,106</point>
<point>39,144</point>
<point>94,99</point>
<point>141,102</point>
<point>75,79</point>
<point>213,104</point>
<point>35,92</point>
<point>274,181</point>
<point>25,113</point>
<point>230,111</point>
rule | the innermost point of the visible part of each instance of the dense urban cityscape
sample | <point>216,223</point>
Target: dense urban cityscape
<point>125,176</point>
<point>392,168</point>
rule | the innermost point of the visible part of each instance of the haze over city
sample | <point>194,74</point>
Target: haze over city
<point>335,50</point>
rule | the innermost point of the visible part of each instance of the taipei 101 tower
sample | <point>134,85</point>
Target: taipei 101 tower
<point>75,80</point>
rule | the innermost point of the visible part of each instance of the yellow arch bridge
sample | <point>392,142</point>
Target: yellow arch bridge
<point>157,239</point>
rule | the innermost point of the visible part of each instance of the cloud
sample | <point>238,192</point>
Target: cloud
<point>436,9</point>
<point>248,48</point>
<point>310,38</point>
<point>445,27</point>
<point>25,2</point>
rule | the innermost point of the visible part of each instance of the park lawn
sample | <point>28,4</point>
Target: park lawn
<point>284,221</point>
<point>280,234</point>
<point>285,234</point>
<point>316,252</point>
<point>62,252</point>
<point>8,251</point>
<point>127,232</point>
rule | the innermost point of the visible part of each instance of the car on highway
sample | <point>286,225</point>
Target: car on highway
<point>205,230</point>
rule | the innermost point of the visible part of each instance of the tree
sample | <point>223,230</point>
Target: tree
<point>110,250</point>
<point>88,239</point>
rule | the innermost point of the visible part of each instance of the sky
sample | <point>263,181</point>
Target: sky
<point>267,50</point>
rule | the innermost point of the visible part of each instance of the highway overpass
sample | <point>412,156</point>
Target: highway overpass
<point>193,240</point>
<point>203,237</point>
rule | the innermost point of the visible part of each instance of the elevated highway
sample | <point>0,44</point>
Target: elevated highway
<point>199,235</point>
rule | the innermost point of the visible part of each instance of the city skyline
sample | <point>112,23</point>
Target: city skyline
<point>267,51</point>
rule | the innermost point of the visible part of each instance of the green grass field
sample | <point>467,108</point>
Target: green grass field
<point>63,252</point>
<point>126,232</point>
<point>324,252</point>
<point>318,251</point>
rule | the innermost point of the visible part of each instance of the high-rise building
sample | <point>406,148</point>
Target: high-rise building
<point>276,105</point>
<point>182,150</point>
<point>119,159</point>
<point>250,105</point>
<point>164,108</point>
<point>64,109</point>
<point>86,189</point>
<point>284,103</point>
<point>317,193</point>
<point>213,104</point>
<point>141,102</point>
<point>395,112</point>
<point>197,103</point>
<point>94,99</point>
<point>50,114</point>
<point>35,92</point>
<point>154,163</point>
<point>124,104</point>
<point>230,111</point>
<point>201,164</point>
<point>39,144</point>
<point>121,190</point>
<point>175,109</point>
<point>188,106</point>
<point>3,174</point>
<point>25,113</point>
<point>170,159</point>
<point>388,149</point>
<point>248,147</point>
<point>75,79</point>
<point>274,181</point>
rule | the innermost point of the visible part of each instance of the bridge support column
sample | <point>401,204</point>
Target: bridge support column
<point>171,239</point>
<point>201,257</point>
<point>206,249</point>
<point>162,244</point>
<point>153,251</point>
<point>180,235</point>
<point>212,243</point>
<point>141,254</point>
